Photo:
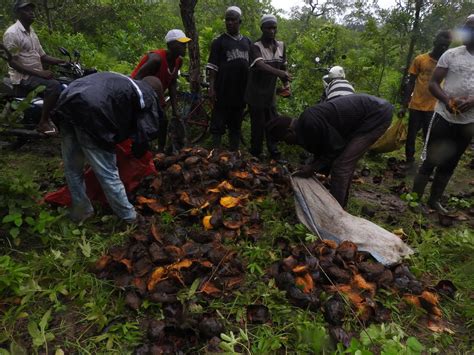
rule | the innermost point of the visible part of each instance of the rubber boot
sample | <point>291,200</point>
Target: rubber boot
<point>419,184</point>
<point>216,141</point>
<point>437,189</point>
<point>234,141</point>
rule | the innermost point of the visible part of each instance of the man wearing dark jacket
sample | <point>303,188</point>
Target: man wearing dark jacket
<point>338,133</point>
<point>94,114</point>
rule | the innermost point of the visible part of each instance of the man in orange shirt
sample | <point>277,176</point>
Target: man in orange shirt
<point>417,96</point>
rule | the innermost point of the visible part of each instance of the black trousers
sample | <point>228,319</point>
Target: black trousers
<point>343,167</point>
<point>259,117</point>
<point>446,144</point>
<point>416,121</point>
<point>53,87</point>
<point>227,118</point>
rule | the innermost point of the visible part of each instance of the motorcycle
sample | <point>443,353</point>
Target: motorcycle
<point>21,114</point>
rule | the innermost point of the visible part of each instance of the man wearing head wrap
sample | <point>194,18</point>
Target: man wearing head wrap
<point>228,71</point>
<point>165,65</point>
<point>268,63</point>
<point>421,103</point>
<point>338,133</point>
<point>452,126</point>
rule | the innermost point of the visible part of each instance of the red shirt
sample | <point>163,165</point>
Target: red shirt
<point>166,77</point>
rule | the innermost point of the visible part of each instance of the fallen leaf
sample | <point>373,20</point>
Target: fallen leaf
<point>209,289</point>
<point>306,282</point>
<point>232,224</point>
<point>102,263</point>
<point>300,268</point>
<point>127,263</point>
<point>413,300</point>
<point>155,233</point>
<point>240,174</point>
<point>157,275</point>
<point>229,202</point>
<point>183,264</point>
<point>142,200</point>
<point>438,326</point>
<point>399,233</point>
<point>206,222</point>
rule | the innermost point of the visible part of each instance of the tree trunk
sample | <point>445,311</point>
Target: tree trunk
<point>47,12</point>
<point>411,48</point>
<point>187,16</point>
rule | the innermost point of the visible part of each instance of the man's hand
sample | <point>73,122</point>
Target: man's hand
<point>45,74</point>
<point>464,104</point>
<point>402,112</point>
<point>285,76</point>
<point>212,93</point>
<point>305,171</point>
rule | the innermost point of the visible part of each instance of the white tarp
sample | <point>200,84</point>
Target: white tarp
<point>320,212</point>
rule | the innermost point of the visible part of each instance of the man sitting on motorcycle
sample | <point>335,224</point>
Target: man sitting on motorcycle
<point>26,64</point>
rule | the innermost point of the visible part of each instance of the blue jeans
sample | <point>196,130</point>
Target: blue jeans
<point>77,147</point>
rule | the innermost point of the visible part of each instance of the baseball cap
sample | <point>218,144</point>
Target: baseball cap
<point>19,4</point>
<point>176,35</point>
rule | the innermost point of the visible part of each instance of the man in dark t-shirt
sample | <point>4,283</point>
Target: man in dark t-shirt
<point>228,70</point>
<point>338,133</point>
<point>268,63</point>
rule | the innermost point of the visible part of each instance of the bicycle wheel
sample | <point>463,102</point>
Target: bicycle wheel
<point>195,111</point>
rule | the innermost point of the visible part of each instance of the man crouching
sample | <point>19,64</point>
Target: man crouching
<point>338,133</point>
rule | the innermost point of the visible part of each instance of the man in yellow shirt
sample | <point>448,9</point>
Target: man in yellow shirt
<point>417,95</point>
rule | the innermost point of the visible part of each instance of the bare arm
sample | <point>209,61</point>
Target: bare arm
<point>151,66</point>
<point>173,88</point>
<point>16,64</point>
<point>283,75</point>
<point>212,80</point>
<point>410,86</point>
<point>46,59</point>
<point>435,86</point>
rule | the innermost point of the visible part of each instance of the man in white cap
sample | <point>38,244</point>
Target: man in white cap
<point>165,64</point>
<point>337,85</point>
<point>268,63</point>
<point>228,71</point>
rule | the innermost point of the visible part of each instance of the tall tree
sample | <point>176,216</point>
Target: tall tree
<point>187,15</point>
<point>414,36</point>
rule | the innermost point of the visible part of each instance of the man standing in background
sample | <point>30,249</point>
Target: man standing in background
<point>228,70</point>
<point>421,104</point>
<point>268,63</point>
<point>165,64</point>
<point>452,128</point>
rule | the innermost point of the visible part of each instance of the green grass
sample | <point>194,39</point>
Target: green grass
<point>49,293</point>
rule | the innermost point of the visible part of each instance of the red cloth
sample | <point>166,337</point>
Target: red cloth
<point>166,77</point>
<point>131,170</point>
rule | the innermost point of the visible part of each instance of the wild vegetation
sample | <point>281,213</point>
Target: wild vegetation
<point>51,301</point>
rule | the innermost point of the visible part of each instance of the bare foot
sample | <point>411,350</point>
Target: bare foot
<point>48,129</point>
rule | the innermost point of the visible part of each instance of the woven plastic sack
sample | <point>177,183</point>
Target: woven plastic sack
<point>393,139</point>
<point>131,171</point>
<point>319,211</point>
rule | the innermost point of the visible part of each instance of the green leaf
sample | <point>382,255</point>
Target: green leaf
<point>14,232</point>
<point>44,320</point>
<point>85,247</point>
<point>415,345</point>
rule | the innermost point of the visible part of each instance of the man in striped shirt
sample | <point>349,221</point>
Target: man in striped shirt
<point>336,84</point>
